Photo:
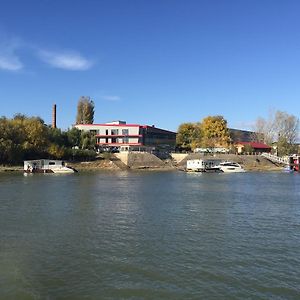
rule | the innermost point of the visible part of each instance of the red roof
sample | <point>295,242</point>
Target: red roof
<point>255,145</point>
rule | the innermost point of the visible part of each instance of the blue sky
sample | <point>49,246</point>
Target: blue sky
<point>156,62</point>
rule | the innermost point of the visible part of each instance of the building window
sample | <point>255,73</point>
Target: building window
<point>114,131</point>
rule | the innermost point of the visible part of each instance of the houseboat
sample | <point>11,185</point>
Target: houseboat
<point>47,166</point>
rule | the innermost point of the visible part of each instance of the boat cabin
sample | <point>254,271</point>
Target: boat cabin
<point>46,166</point>
<point>195,165</point>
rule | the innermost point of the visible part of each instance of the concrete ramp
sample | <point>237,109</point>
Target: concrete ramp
<point>119,162</point>
<point>178,157</point>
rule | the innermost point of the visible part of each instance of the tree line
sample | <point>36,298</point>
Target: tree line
<point>211,132</point>
<point>25,138</point>
<point>279,129</point>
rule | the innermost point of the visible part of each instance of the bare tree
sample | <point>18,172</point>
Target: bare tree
<point>265,130</point>
<point>281,128</point>
<point>287,127</point>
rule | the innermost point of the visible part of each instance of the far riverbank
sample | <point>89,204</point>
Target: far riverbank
<point>142,161</point>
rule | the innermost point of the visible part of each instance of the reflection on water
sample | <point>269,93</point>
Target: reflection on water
<point>150,235</point>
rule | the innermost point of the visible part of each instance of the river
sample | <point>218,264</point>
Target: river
<point>150,235</point>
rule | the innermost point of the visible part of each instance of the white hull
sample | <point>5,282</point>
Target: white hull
<point>232,170</point>
<point>230,167</point>
<point>63,171</point>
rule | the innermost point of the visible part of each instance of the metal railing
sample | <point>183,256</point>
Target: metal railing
<point>276,159</point>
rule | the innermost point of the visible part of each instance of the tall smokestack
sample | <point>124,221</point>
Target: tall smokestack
<point>54,116</point>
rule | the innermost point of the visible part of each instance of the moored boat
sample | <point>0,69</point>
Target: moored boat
<point>47,166</point>
<point>229,167</point>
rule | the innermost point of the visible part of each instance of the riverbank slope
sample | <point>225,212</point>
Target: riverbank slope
<point>147,161</point>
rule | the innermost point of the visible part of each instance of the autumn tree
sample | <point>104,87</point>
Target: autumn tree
<point>22,137</point>
<point>85,111</point>
<point>214,132</point>
<point>188,136</point>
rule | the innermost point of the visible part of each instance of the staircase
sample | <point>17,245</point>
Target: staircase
<point>276,159</point>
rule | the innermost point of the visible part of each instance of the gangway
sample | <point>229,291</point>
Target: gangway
<point>276,159</point>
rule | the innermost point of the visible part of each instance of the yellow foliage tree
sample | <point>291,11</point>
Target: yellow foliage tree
<point>214,132</point>
<point>188,136</point>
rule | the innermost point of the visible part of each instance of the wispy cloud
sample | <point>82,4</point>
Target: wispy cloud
<point>65,60</point>
<point>9,60</point>
<point>111,98</point>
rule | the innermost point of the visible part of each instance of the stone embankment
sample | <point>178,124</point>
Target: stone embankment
<point>147,161</point>
<point>249,162</point>
<point>144,160</point>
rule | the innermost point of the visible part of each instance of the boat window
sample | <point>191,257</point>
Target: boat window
<point>52,163</point>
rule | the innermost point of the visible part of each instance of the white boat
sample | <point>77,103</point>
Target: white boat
<point>229,167</point>
<point>47,166</point>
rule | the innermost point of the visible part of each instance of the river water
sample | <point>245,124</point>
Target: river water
<point>150,235</point>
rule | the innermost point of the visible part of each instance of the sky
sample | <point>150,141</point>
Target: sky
<point>154,62</point>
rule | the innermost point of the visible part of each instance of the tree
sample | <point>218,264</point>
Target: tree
<point>214,132</point>
<point>186,135</point>
<point>196,136</point>
<point>85,111</point>
<point>87,140</point>
<point>264,129</point>
<point>74,136</point>
<point>281,128</point>
<point>286,127</point>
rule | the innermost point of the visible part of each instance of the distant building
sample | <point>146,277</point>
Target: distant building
<point>118,133</point>
<point>256,146</point>
<point>238,135</point>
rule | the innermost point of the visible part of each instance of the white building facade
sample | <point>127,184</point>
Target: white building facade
<point>118,133</point>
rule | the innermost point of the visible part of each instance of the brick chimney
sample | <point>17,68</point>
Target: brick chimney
<point>54,116</point>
